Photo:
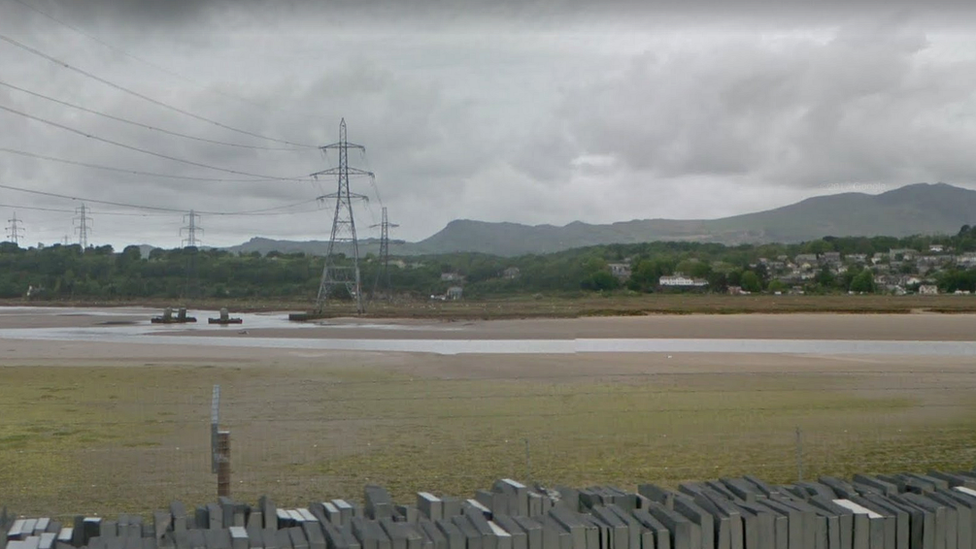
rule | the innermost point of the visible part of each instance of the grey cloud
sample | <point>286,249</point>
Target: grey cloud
<point>803,113</point>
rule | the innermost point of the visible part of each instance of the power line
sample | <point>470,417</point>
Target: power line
<point>146,126</point>
<point>139,149</point>
<point>39,53</point>
<point>262,211</point>
<point>160,67</point>
<point>140,172</point>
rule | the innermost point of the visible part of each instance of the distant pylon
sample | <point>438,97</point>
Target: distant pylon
<point>14,231</point>
<point>383,274</point>
<point>335,275</point>
<point>83,226</point>
<point>191,229</point>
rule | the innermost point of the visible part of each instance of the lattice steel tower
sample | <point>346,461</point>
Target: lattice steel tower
<point>383,274</point>
<point>191,229</point>
<point>84,225</point>
<point>334,274</point>
<point>14,231</point>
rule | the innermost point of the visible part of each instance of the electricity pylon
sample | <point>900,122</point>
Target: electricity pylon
<point>383,273</point>
<point>191,229</point>
<point>14,231</point>
<point>334,275</point>
<point>84,225</point>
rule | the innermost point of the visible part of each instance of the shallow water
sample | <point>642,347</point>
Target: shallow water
<point>114,330</point>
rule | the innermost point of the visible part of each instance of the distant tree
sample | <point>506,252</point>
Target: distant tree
<point>600,281</point>
<point>863,282</point>
<point>750,282</point>
<point>776,286</point>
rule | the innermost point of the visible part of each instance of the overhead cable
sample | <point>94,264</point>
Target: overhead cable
<point>146,126</point>
<point>144,97</point>
<point>139,149</point>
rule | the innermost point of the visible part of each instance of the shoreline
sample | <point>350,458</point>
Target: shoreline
<point>574,307</point>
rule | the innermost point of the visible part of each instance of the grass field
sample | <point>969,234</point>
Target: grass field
<point>580,305</point>
<point>130,438</point>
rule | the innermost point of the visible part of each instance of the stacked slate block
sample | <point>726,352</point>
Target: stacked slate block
<point>905,511</point>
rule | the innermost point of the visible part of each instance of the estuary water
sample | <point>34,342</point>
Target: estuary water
<point>132,326</point>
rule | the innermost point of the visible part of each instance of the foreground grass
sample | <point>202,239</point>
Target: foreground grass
<point>130,439</point>
<point>577,305</point>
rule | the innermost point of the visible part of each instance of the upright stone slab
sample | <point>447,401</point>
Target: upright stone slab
<point>313,533</point>
<point>902,521</point>
<point>268,510</point>
<point>196,540</point>
<point>758,527</point>
<point>255,521</point>
<point>764,488</point>
<point>437,538</point>
<point>634,529</point>
<point>379,504</point>
<point>518,495</point>
<point>107,529</point>
<point>888,519</point>
<point>843,534</point>
<point>727,523</point>
<point>472,538</point>
<point>239,538</point>
<point>954,480</point>
<point>430,505</point>
<point>270,537</point>
<point>519,538</point>
<point>395,531</point>
<point>936,511</point>
<point>450,506</point>
<point>657,494</point>
<point>568,497</point>
<point>662,536</point>
<point>690,510</point>
<point>503,539</point>
<point>841,488</point>
<point>571,521</point>
<point>474,507</point>
<point>178,513</point>
<point>742,489</point>
<point>720,488</point>
<point>297,536</point>
<point>789,525</point>
<point>456,539</point>
<point>533,531</point>
<point>346,510</point>
<point>815,529</point>
<point>488,538</point>
<point>617,531</point>
<point>684,533</point>
<point>868,525</point>
<point>555,535</point>
<point>255,538</point>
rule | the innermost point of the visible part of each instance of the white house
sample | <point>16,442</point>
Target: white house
<point>682,281</point>
<point>928,289</point>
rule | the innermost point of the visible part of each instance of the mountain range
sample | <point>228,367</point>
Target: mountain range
<point>914,209</point>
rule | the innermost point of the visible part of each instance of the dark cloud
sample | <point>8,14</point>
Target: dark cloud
<point>539,112</point>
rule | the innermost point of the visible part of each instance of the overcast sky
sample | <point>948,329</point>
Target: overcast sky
<point>531,112</point>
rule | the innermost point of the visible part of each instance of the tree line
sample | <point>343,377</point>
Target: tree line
<point>64,272</point>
